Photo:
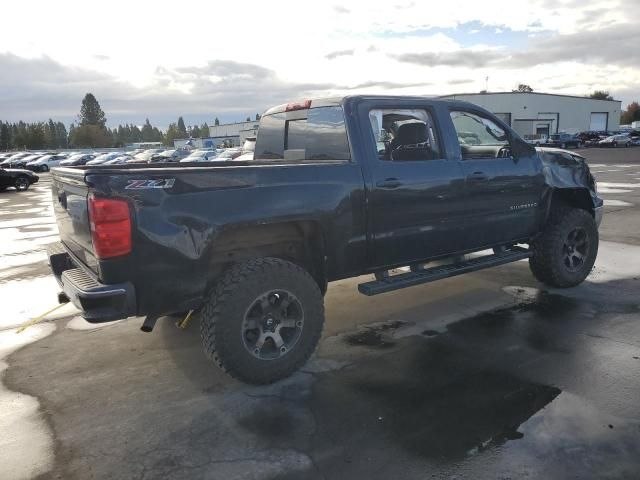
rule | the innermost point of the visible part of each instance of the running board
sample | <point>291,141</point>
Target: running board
<point>387,283</point>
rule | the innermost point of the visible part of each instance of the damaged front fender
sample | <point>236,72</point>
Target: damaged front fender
<point>570,179</point>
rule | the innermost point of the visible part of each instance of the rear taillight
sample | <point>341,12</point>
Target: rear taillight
<point>298,106</point>
<point>110,226</point>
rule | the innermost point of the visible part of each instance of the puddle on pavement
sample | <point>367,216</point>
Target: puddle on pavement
<point>375,336</point>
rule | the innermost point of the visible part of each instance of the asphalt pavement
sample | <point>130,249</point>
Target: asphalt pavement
<point>484,376</point>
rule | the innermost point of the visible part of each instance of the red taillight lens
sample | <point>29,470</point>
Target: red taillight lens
<point>298,106</point>
<point>110,227</point>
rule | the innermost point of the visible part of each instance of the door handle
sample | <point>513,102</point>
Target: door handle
<point>389,183</point>
<point>478,177</point>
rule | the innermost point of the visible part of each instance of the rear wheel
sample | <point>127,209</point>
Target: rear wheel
<point>21,183</point>
<point>263,320</point>
<point>565,253</point>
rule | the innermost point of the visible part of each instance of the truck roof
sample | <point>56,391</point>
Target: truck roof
<point>336,101</point>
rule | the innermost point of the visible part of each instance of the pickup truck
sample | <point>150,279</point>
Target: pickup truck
<point>338,188</point>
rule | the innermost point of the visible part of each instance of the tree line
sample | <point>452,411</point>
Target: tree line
<point>91,131</point>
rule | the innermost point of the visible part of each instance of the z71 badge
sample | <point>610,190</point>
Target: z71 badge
<point>148,184</point>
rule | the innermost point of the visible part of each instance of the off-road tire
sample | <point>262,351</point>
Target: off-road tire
<point>547,263</point>
<point>222,316</point>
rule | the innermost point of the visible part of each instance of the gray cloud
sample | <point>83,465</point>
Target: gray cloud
<point>387,85</point>
<point>36,89</point>
<point>98,56</point>
<point>341,9</point>
<point>460,58</point>
<point>613,45</point>
<point>339,53</point>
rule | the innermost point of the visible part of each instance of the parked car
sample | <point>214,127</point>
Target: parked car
<point>251,247</point>
<point>169,156</point>
<point>16,178</point>
<point>77,159</point>
<point>590,138</point>
<point>20,163</point>
<point>563,140</point>
<point>46,162</point>
<point>14,157</point>
<point>200,156</point>
<point>248,149</point>
<point>122,159</point>
<point>535,139</point>
<point>105,157</point>
<point>616,141</point>
<point>229,154</point>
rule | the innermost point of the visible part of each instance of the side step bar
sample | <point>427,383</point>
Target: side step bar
<point>385,283</point>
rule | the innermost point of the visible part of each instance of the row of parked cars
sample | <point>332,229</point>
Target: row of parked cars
<point>586,139</point>
<point>44,161</point>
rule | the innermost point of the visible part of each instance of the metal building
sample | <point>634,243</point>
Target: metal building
<point>536,114</point>
<point>236,132</point>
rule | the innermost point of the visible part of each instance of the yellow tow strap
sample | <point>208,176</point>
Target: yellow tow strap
<point>38,319</point>
<point>185,321</point>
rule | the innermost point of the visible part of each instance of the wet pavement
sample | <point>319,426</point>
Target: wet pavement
<point>484,376</point>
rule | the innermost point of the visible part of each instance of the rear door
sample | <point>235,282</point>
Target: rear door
<point>503,177</point>
<point>417,194</point>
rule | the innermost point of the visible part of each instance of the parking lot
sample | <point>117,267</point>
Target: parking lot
<point>486,375</point>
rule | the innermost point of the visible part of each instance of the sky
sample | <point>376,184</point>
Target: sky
<point>210,59</point>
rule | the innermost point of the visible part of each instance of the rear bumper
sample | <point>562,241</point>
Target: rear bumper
<point>97,301</point>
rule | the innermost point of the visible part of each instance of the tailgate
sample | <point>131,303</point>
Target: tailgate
<point>69,195</point>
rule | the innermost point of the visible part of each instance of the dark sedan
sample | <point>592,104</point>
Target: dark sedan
<point>19,179</point>
<point>563,140</point>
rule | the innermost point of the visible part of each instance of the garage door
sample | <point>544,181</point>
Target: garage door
<point>598,121</point>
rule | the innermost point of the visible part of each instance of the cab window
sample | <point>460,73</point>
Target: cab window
<point>479,136</point>
<point>404,134</point>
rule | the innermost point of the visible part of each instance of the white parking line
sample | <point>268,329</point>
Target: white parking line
<point>618,185</point>
<point>612,190</point>
<point>616,203</point>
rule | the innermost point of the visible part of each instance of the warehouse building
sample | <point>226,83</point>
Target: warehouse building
<point>235,133</point>
<point>537,114</point>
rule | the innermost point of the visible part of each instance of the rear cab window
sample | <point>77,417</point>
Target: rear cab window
<point>403,134</point>
<point>313,134</point>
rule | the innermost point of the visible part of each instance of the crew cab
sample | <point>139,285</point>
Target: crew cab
<point>337,188</point>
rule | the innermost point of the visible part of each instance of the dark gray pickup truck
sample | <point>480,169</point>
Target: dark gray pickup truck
<point>338,188</point>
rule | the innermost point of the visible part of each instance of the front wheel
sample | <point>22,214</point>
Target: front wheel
<point>564,254</point>
<point>44,168</point>
<point>21,184</point>
<point>263,320</point>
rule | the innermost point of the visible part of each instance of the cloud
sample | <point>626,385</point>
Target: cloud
<point>614,45</point>
<point>100,57</point>
<point>461,58</point>
<point>341,9</point>
<point>386,85</point>
<point>36,89</point>
<point>339,53</point>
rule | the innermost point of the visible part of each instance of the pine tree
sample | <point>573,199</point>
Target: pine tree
<point>181,128</point>
<point>5,136</point>
<point>216,122</point>
<point>204,130</point>
<point>147,132</point>
<point>91,113</point>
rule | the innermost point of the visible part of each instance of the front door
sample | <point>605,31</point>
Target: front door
<point>416,192</point>
<point>504,182</point>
